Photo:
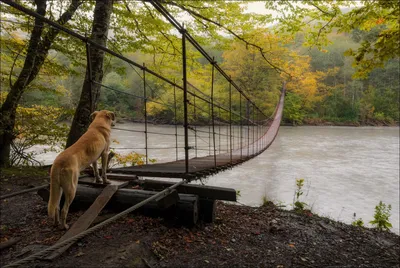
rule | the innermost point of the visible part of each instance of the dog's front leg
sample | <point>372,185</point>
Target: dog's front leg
<point>104,158</point>
<point>97,177</point>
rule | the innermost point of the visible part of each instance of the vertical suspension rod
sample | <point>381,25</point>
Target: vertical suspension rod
<point>253,131</point>
<point>248,127</point>
<point>185,101</point>
<point>219,131</point>
<point>176,125</point>
<point>241,124</point>
<point>230,120</point>
<point>145,112</point>
<point>195,126</point>
<point>212,112</point>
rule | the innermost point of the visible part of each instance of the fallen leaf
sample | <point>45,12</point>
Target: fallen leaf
<point>108,237</point>
<point>291,245</point>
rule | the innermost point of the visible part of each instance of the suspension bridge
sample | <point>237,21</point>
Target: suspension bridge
<point>219,128</point>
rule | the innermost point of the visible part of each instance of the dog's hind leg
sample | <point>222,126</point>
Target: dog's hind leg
<point>96,172</point>
<point>104,158</point>
<point>69,194</point>
<point>55,196</point>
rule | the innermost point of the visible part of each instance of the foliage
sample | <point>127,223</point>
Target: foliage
<point>381,216</point>
<point>316,19</point>
<point>265,201</point>
<point>36,125</point>
<point>238,194</point>
<point>130,159</point>
<point>357,222</point>
<point>297,204</point>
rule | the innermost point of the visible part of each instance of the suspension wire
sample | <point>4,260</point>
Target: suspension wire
<point>161,102</point>
<point>157,5</point>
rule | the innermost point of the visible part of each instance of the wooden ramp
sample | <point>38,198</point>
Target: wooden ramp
<point>88,217</point>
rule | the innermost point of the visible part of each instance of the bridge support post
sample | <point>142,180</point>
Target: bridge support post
<point>185,100</point>
<point>230,119</point>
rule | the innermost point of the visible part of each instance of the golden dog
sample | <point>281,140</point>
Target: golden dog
<point>68,164</point>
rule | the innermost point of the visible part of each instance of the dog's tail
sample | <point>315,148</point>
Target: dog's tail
<point>55,194</point>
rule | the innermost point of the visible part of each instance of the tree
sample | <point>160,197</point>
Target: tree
<point>39,45</point>
<point>317,18</point>
<point>91,89</point>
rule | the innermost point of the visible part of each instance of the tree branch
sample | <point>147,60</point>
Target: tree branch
<point>323,11</point>
<point>198,15</point>
<point>49,37</point>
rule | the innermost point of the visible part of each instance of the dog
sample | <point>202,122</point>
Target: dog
<point>68,164</point>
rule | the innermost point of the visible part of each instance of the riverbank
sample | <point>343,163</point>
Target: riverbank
<point>322,122</point>
<point>306,122</point>
<point>241,236</point>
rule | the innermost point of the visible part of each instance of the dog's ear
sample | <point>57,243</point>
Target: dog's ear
<point>111,115</point>
<point>93,115</point>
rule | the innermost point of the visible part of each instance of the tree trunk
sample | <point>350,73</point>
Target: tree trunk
<point>37,52</point>
<point>9,107</point>
<point>91,91</point>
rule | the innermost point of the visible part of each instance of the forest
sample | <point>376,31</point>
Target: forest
<point>340,61</point>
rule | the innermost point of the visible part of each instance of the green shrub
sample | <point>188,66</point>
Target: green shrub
<point>359,222</point>
<point>381,217</point>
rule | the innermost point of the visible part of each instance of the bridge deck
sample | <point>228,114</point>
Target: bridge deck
<point>204,166</point>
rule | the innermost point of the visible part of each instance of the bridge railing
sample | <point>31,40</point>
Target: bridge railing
<point>216,118</point>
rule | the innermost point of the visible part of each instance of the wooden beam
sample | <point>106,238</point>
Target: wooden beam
<point>203,191</point>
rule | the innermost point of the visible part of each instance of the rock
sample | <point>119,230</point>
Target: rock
<point>233,240</point>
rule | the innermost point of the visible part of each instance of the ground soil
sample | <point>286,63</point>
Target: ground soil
<point>241,236</point>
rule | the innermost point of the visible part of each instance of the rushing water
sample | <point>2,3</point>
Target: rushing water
<point>347,170</point>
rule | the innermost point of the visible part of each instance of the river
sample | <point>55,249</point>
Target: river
<point>346,170</point>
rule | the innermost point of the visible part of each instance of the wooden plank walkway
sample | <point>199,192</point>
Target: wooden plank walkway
<point>204,166</point>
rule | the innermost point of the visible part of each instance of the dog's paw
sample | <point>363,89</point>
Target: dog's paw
<point>105,181</point>
<point>64,226</point>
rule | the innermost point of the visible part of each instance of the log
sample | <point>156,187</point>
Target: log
<point>203,191</point>
<point>207,209</point>
<point>186,209</point>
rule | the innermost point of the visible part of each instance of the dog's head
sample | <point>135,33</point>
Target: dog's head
<point>110,116</point>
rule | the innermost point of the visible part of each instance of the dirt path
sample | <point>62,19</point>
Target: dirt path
<point>241,236</point>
